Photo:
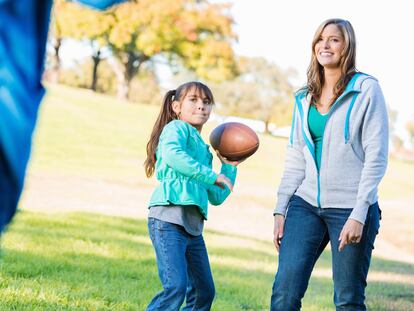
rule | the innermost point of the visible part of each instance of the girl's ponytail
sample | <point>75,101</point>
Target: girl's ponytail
<point>165,116</point>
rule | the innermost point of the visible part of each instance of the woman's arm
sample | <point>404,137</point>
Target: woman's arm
<point>374,137</point>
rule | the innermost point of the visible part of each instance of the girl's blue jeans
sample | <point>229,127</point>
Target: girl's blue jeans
<point>183,268</point>
<point>307,231</point>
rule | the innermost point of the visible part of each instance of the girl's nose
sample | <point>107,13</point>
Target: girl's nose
<point>200,105</point>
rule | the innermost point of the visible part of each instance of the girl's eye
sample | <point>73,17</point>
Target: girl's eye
<point>207,102</point>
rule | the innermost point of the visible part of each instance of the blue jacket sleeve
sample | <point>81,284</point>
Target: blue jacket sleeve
<point>99,4</point>
<point>217,195</point>
<point>173,145</point>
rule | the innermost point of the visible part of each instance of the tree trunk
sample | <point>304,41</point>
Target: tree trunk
<point>118,68</point>
<point>122,88</point>
<point>96,60</point>
<point>127,67</point>
<point>53,74</point>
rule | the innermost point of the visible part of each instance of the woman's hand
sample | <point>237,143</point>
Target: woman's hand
<point>278,230</point>
<point>351,233</point>
<point>223,180</point>
<point>225,161</point>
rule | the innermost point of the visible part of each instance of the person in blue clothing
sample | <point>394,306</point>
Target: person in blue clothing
<point>23,33</point>
<point>182,162</point>
<point>336,157</point>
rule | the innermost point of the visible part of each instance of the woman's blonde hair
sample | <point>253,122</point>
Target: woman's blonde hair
<point>347,62</point>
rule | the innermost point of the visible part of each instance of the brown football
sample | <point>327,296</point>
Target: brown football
<point>235,141</point>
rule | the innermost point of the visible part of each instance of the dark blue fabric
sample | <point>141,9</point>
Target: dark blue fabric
<point>99,4</point>
<point>23,34</point>
<point>307,231</point>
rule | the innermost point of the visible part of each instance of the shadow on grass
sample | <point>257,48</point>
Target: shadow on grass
<point>82,261</point>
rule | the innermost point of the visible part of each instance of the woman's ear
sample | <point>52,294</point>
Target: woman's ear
<point>176,107</point>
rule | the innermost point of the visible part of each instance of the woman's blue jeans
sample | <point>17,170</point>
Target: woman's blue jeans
<point>307,231</point>
<point>183,268</point>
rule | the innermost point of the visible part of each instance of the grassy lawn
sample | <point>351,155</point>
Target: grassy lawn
<point>85,261</point>
<point>81,261</point>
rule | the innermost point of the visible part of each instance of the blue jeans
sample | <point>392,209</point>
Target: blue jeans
<point>183,268</point>
<point>308,229</point>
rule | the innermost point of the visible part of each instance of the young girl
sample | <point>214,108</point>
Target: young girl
<point>178,206</point>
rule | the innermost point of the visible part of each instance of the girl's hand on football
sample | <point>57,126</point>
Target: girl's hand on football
<point>225,161</point>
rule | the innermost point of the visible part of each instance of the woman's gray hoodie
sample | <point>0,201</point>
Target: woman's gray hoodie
<point>354,151</point>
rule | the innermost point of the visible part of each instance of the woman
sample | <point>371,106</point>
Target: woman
<point>336,157</point>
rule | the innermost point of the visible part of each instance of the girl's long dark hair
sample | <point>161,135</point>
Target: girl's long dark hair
<point>167,114</point>
<point>316,76</point>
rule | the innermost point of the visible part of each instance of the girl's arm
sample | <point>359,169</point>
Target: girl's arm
<point>217,195</point>
<point>173,144</point>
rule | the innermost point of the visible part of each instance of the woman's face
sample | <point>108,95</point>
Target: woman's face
<point>329,47</point>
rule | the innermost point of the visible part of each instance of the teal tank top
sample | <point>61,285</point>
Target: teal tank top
<point>316,122</point>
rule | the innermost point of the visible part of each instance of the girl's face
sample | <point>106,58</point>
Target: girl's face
<point>194,108</point>
<point>329,47</point>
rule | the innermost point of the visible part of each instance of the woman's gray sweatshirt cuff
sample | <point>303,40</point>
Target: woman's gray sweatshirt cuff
<point>359,213</point>
<point>281,206</point>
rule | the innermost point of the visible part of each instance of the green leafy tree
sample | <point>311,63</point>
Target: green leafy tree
<point>197,32</point>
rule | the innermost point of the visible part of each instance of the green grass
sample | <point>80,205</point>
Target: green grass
<point>80,261</point>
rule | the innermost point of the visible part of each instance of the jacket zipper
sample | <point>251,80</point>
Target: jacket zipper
<point>318,197</point>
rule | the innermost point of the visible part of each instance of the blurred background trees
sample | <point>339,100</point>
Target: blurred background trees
<point>196,33</point>
<point>192,38</point>
<point>261,91</point>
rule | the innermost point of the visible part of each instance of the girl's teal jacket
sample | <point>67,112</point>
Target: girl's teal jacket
<point>184,169</point>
